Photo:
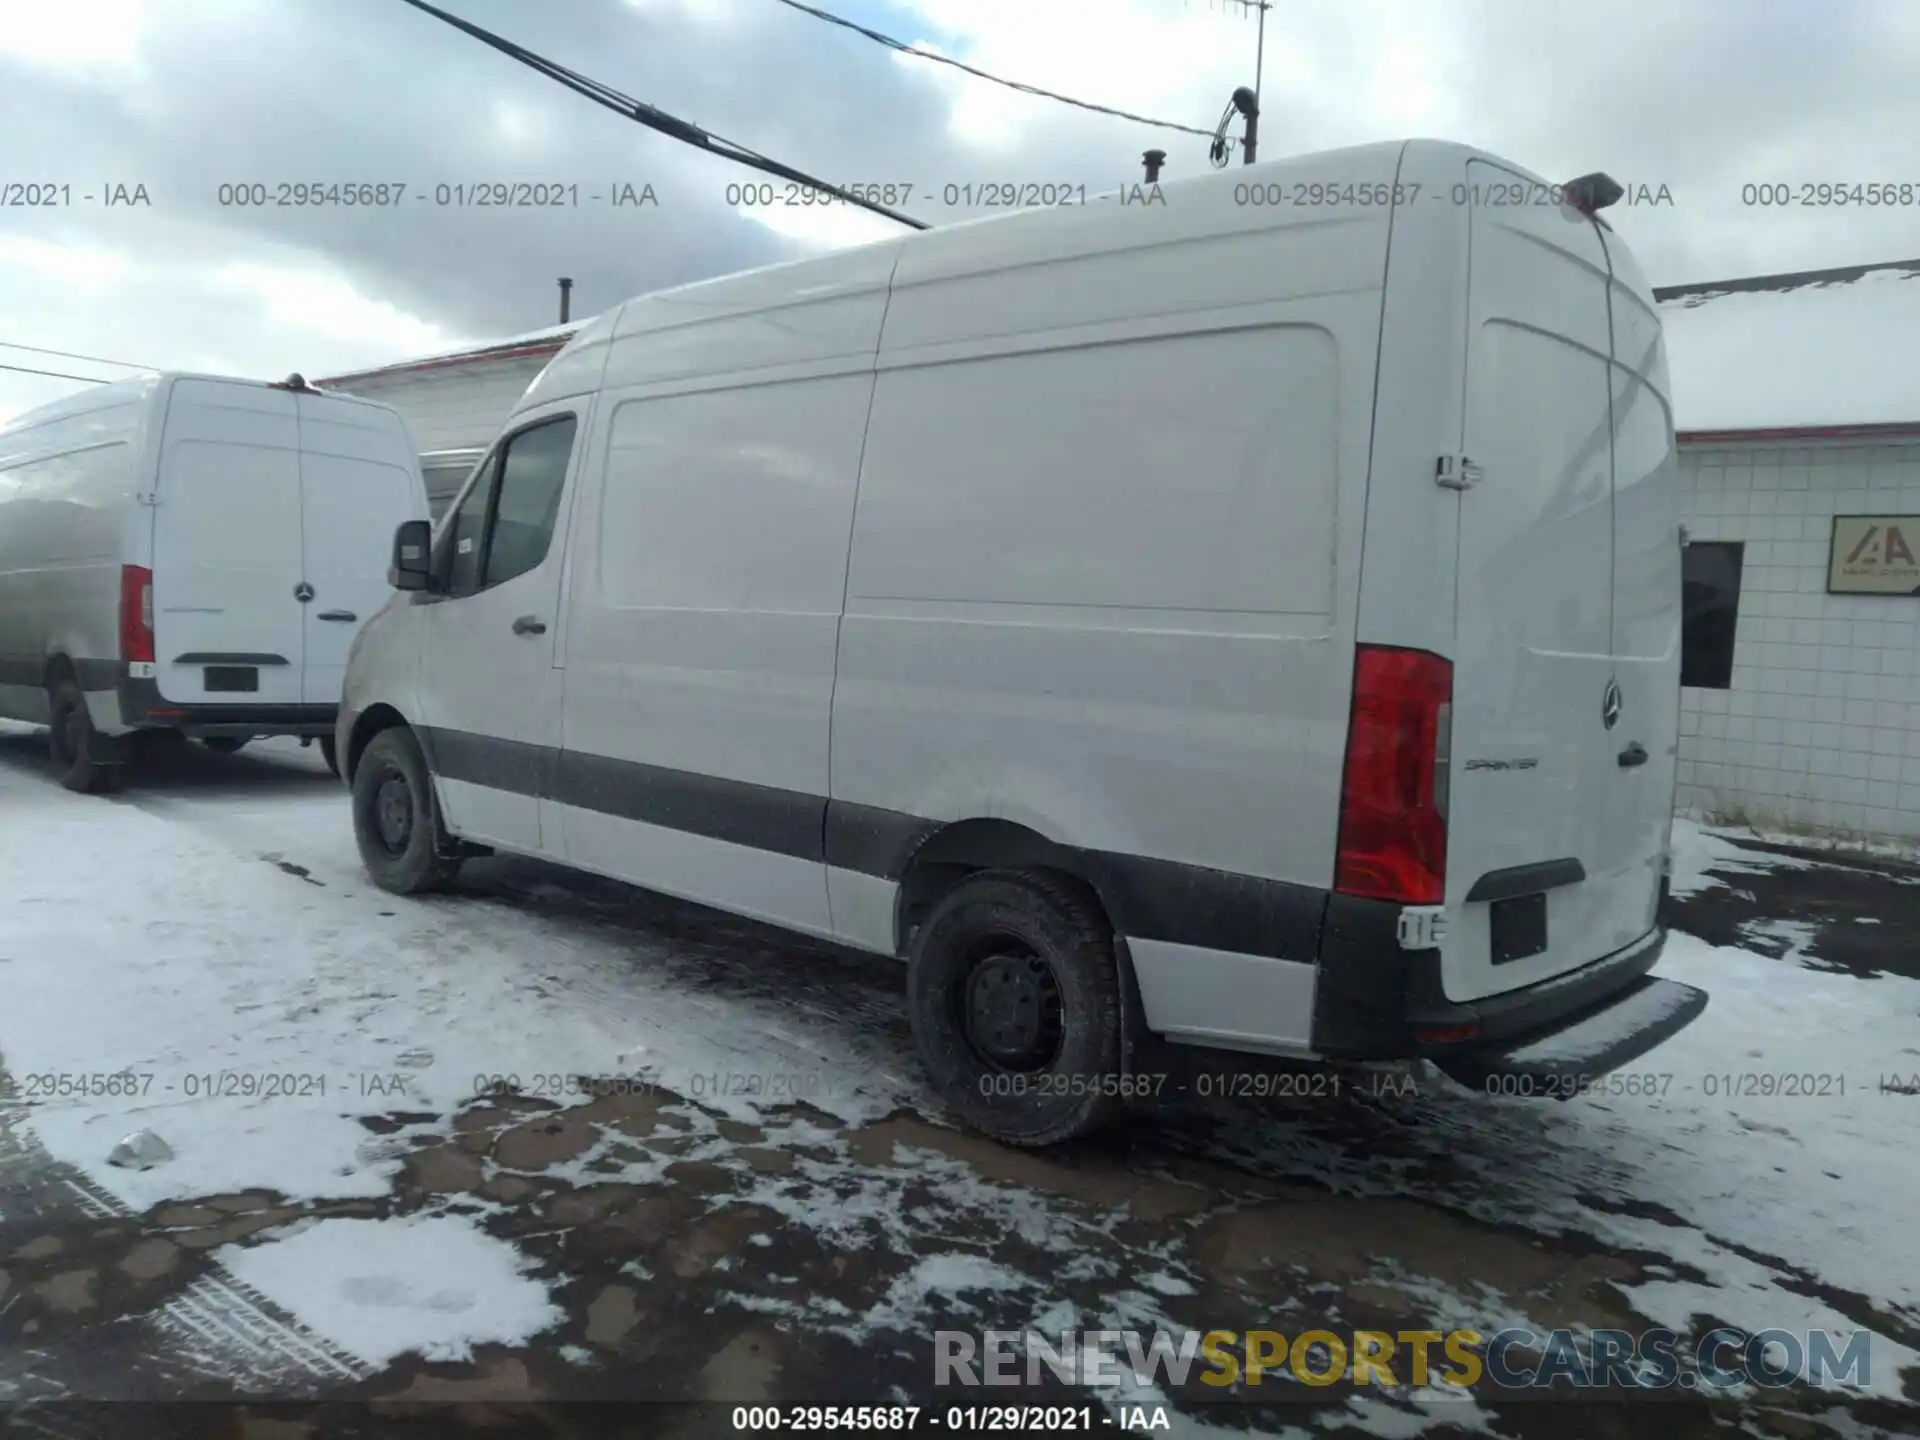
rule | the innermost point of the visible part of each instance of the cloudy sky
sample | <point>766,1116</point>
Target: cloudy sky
<point>185,96</point>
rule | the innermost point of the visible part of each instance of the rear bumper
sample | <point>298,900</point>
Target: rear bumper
<point>143,707</point>
<point>1375,1001</point>
<point>1557,1062</point>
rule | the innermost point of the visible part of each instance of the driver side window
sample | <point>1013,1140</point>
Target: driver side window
<point>462,543</point>
<point>503,526</point>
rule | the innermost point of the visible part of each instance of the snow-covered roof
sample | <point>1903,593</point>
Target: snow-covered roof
<point>1817,350</point>
<point>534,342</point>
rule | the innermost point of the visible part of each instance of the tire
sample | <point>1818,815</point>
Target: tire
<point>1014,994</point>
<point>224,744</point>
<point>396,821</point>
<point>330,754</point>
<point>89,762</point>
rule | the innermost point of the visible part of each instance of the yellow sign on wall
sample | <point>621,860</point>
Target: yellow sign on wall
<point>1874,555</point>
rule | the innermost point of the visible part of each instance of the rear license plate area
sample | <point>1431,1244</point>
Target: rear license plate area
<point>231,678</point>
<point>1517,927</point>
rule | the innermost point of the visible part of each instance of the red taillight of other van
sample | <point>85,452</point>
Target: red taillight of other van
<point>136,613</point>
<point>1393,797</point>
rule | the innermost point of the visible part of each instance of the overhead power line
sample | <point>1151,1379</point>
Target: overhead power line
<point>657,119</point>
<point>57,374</point>
<point>70,355</point>
<point>905,49</point>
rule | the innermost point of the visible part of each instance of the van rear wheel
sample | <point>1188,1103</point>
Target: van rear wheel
<point>89,762</point>
<point>1014,995</point>
<point>395,820</point>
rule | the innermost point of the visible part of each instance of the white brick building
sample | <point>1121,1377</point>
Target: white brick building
<point>456,403</point>
<point>1798,399</point>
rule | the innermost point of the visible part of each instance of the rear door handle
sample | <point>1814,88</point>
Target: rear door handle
<point>1634,754</point>
<point>337,615</point>
<point>529,625</point>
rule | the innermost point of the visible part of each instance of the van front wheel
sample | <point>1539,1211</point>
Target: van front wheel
<point>395,820</point>
<point>1014,995</point>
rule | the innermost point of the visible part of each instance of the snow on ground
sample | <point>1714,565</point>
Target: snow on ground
<point>150,936</point>
<point>255,1016</point>
<point>1848,1149</point>
<point>1841,847</point>
<point>1770,1195</point>
<point>948,1276</point>
<point>1698,849</point>
<point>438,1285</point>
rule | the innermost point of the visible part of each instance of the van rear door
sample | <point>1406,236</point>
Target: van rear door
<point>1544,871</point>
<point>226,546</point>
<point>1647,596</point>
<point>358,481</point>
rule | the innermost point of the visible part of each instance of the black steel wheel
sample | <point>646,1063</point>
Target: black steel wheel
<point>1015,998</point>
<point>395,820</point>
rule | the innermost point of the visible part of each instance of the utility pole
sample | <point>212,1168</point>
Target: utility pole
<point>1246,101</point>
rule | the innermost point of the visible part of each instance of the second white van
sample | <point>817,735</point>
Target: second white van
<point>191,555</point>
<point>1241,615</point>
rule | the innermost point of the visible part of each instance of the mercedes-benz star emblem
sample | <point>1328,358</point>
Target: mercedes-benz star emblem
<point>303,592</point>
<point>1610,704</point>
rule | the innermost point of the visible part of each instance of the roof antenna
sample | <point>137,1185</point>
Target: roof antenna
<point>1592,193</point>
<point>1153,160</point>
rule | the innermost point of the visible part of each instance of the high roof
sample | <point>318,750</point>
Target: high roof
<point>534,342</point>
<point>1810,353</point>
<point>1814,353</point>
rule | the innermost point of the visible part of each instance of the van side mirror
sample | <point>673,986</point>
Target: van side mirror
<point>412,567</point>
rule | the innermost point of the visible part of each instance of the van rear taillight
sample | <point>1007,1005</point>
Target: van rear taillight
<point>1393,797</point>
<point>136,613</point>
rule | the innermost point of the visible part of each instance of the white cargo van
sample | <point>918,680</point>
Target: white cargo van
<point>1244,615</point>
<point>186,554</point>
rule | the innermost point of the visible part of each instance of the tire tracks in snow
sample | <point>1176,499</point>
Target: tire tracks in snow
<point>213,1331</point>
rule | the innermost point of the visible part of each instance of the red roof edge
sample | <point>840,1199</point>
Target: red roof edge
<point>1898,430</point>
<point>472,357</point>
